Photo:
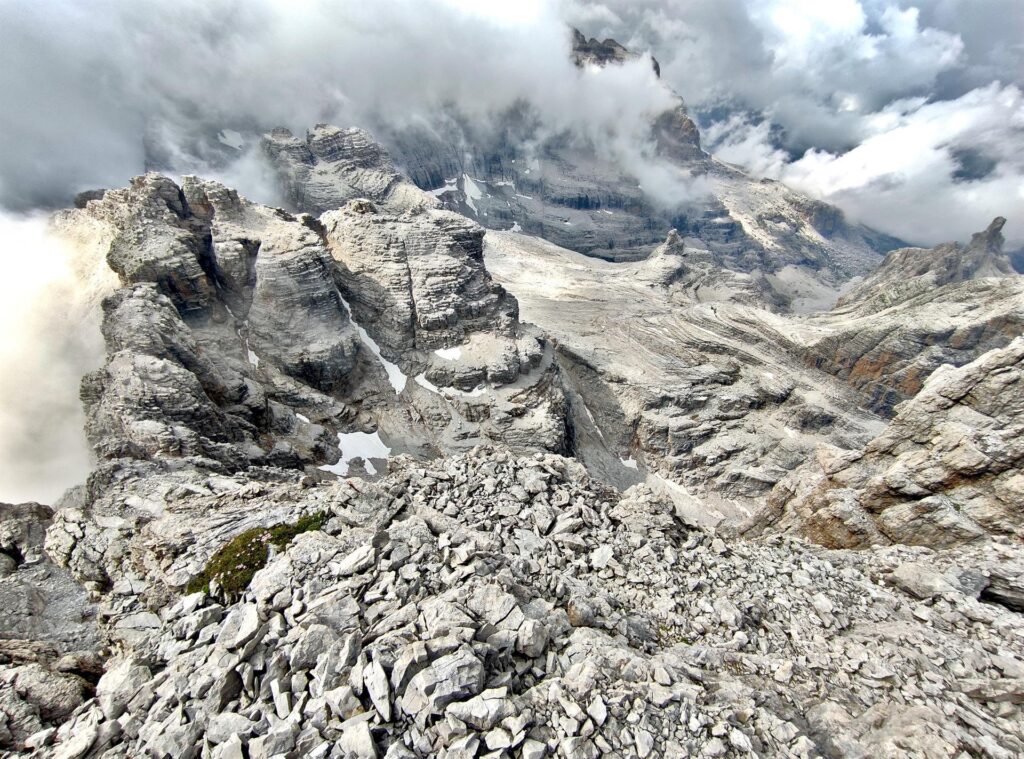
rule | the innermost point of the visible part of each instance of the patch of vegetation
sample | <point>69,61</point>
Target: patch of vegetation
<point>234,565</point>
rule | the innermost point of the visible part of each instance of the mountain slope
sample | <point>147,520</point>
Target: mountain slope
<point>921,309</point>
<point>947,469</point>
<point>579,198</point>
<point>330,516</point>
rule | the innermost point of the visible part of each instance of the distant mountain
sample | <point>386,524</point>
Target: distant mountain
<point>566,192</point>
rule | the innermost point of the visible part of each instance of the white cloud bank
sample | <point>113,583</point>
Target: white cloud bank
<point>905,113</point>
<point>51,336</point>
<point>842,98</point>
<point>915,172</point>
<point>104,88</point>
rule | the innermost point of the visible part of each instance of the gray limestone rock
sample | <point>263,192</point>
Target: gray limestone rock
<point>920,309</point>
<point>119,686</point>
<point>453,677</point>
<point>946,471</point>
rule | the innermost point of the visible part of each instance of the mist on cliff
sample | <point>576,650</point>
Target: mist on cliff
<point>908,114</point>
<point>98,92</point>
<point>152,85</point>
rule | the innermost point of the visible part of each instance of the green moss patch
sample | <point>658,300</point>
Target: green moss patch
<point>234,565</point>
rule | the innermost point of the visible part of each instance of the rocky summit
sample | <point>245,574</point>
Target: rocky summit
<point>501,462</point>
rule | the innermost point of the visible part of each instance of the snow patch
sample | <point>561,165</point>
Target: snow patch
<point>358,445</point>
<point>450,185</point>
<point>629,463</point>
<point>516,227</point>
<point>395,375</point>
<point>302,418</point>
<point>473,192</point>
<point>253,358</point>
<point>593,421</point>
<point>449,354</point>
<point>231,138</point>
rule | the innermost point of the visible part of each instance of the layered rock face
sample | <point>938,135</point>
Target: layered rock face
<point>233,319</point>
<point>946,471</point>
<point>420,280</point>
<point>921,309</point>
<point>493,605</point>
<point>332,166</point>
<point>569,192</point>
<point>185,334</point>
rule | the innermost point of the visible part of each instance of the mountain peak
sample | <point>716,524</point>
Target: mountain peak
<point>992,238</point>
<point>603,52</point>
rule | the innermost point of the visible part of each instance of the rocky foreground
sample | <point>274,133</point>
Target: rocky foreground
<point>503,606</point>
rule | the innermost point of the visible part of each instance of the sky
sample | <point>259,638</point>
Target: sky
<point>907,114</point>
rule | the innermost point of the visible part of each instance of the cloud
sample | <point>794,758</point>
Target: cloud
<point>908,176</point>
<point>925,171</point>
<point>48,294</point>
<point>794,89</point>
<point>905,113</point>
<point>107,89</point>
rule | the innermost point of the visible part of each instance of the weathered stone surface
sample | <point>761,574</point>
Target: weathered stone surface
<point>946,471</point>
<point>667,648</point>
<point>332,166</point>
<point>451,678</point>
<point>693,384</point>
<point>921,309</point>
<point>119,685</point>
<point>41,601</point>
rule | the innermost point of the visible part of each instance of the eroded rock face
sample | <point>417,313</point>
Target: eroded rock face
<point>919,310</point>
<point>420,279</point>
<point>946,471</point>
<point>579,197</point>
<point>217,381</point>
<point>159,394</point>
